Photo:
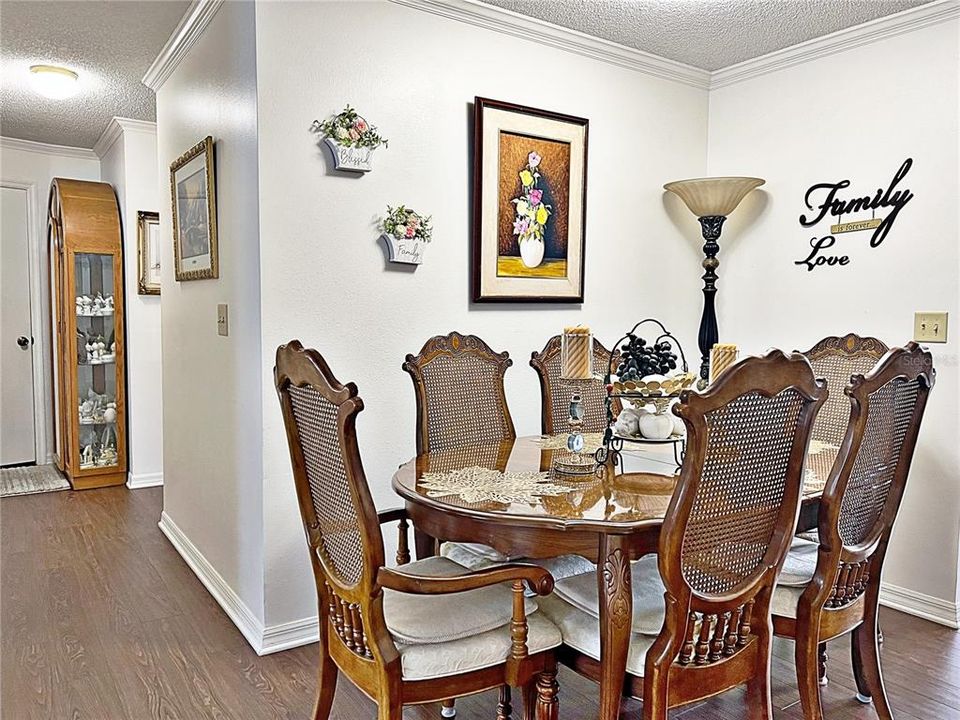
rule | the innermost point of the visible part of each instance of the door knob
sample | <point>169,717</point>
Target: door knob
<point>23,342</point>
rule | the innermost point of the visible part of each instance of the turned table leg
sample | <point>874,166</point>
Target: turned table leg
<point>616,618</point>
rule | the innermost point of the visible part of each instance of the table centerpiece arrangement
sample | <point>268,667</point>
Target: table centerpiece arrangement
<point>647,379</point>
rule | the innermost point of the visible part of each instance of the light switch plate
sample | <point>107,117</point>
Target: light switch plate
<point>930,327</point>
<point>222,326</point>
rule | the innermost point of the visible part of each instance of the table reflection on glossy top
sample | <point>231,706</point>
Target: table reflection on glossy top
<point>634,495</point>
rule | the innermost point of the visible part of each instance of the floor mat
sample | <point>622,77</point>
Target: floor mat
<point>30,479</point>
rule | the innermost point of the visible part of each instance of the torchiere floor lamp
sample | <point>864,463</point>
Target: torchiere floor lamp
<point>711,200</point>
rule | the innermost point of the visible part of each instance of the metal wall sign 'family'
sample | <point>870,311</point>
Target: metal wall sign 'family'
<point>824,199</point>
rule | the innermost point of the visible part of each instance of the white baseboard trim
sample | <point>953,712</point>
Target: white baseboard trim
<point>923,606</point>
<point>241,615</point>
<point>144,480</point>
<point>290,635</point>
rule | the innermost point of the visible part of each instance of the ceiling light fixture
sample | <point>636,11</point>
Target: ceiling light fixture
<point>53,81</point>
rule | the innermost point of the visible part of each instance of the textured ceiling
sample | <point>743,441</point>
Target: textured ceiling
<point>708,34</point>
<point>110,44</point>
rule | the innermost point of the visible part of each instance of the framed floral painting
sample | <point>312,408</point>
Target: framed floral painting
<point>530,204</point>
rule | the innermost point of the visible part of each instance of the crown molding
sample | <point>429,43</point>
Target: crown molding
<point>115,129</point>
<point>522,26</point>
<point>8,143</point>
<point>186,35</point>
<point>837,42</point>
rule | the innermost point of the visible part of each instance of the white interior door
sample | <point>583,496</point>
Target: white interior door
<point>17,427</point>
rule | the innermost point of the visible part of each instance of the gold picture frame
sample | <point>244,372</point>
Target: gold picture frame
<point>148,253</point>
<point>193,196</point>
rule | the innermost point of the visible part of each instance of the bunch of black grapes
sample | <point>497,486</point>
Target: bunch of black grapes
<point>637,359</point>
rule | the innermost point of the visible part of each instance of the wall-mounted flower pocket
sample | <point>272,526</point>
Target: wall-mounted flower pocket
<point>406,234</point>
<point>350,139</point>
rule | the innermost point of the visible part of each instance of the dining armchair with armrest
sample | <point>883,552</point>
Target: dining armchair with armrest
<point>423,632</point>
<point>701,613</point>
<point>832,588</point>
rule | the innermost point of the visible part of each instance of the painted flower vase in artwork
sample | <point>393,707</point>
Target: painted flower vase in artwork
<point>404,250</point>
<point>348,157</point>
<point>532,213</point>
<point>531,252</point>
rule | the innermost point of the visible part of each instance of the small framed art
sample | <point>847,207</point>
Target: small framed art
<point>193,190</point>
<point>530,204</point>
<point>148,253</point>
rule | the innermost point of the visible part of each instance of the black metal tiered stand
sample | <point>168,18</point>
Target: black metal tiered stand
<point>612,442</point>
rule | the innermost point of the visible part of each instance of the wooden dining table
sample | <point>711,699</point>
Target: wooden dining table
<point>611,518</point>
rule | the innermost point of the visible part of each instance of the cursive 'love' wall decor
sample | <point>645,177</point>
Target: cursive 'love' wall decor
<point>827,200</point>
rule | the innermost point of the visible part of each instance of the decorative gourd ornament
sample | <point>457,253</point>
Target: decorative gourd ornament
<point>656,427</point>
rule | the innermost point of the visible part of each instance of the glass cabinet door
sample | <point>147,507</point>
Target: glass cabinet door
<point>96,346</point>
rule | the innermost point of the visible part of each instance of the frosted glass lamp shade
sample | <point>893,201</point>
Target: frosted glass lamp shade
<point>713,196</point>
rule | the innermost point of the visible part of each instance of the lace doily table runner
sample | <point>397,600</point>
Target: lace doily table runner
<point>478,484</point>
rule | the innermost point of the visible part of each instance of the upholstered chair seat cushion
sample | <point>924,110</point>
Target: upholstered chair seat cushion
<point>417,619</point>
<point>441,635</point>
<point>800,565</point>
<point>479,557</point>
<point>475,556</point>
<point>581,631</point>
<point>426,661</point>
<point>798,570</point>
<point>580,591</point>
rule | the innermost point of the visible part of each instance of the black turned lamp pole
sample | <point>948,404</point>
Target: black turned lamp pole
<point>711,200</point>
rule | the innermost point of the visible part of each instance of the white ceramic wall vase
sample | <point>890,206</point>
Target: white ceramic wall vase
<point>656,427</point>
<point>408,251</point>
<point>350,158</point>
<point>531,252</point>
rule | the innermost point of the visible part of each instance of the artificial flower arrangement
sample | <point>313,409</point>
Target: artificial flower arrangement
<point>402,222</point>
<point>405,231</point>
<point>350,129</point>
<point>532,213</point>
<point>350,138</point>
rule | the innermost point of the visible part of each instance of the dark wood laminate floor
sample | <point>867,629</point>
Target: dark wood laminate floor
<point>100,619</point>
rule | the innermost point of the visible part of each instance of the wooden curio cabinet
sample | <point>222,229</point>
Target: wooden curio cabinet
<point>88,360</point>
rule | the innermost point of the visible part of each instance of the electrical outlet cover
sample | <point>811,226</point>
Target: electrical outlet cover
<point>930,327</point>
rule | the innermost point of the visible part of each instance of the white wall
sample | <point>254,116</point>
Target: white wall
<point>212,430</point>
<point>129,163</point>
<point>323,275</point>
<point>856,115</point>
<point>37,164</point>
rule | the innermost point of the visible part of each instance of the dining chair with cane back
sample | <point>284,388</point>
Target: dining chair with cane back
<point>555,396</point>
<point>458,383</point>
<point>837,359</point>
<point>832,588</point>
<point>701,619</point>
<point>424,632</point>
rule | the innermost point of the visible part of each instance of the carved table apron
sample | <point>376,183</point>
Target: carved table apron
<point>610,520</point>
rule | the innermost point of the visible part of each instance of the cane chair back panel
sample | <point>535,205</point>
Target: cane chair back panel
<point>731,517</point>
<point>335,502</point>
<point>742,486</point>
<point>333,507</point>
<point>555,395</point>
<point>893,399</point>
<point>461,401</point>
<point>837,359</point>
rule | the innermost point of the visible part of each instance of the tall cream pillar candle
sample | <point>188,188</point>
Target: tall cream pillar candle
<point>576,353</point>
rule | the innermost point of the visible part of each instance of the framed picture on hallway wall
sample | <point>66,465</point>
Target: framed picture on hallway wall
<point>193,193</point>
<point>530,204</point>
<point>148,252</point>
